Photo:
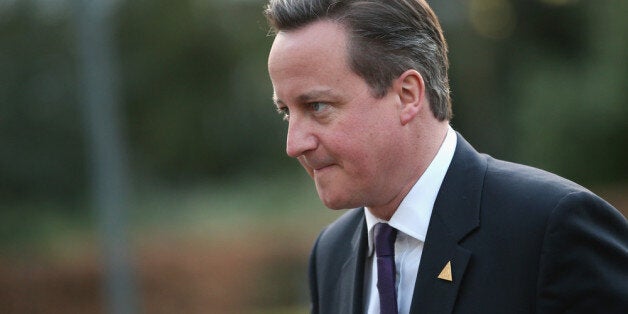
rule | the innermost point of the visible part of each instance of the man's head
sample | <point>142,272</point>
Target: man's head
<point>364,132</point>
<point>387,38</point>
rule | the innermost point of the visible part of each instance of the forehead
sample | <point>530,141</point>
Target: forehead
<point>310,58</point>
<point>320,38</point>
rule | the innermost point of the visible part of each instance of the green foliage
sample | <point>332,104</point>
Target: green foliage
<point>196,88</point>
<point>546,90</point>
<point>551,94</point>
<point>41,142</point>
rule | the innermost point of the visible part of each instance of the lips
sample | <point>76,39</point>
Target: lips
<point>322,168</point>
<point>317,165</point>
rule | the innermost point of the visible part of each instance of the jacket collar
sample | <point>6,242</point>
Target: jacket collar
<point>455,215</point>
<point>351,290</point>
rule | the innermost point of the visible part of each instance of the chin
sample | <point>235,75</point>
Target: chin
<point>335,204</point>
<point>332,207</point>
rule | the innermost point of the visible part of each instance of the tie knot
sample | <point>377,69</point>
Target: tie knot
<point>385,236</point>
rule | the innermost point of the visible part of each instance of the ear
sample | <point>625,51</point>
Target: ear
<point>411,90</point>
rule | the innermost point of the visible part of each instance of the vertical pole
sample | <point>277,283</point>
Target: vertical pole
<point>109,170</point>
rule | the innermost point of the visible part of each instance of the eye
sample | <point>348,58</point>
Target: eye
<point>284,112</point>
<point>318,106</point>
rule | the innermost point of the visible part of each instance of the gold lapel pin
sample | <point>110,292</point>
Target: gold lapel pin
<point>445,274</point>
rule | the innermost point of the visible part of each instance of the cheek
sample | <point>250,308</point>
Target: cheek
<point>373,152</point>
<point>355,153</point>
<point>361,139</point>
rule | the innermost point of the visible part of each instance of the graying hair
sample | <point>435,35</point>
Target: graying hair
<point>388,37</point>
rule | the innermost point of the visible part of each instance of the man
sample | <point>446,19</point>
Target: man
<point>437,227</point>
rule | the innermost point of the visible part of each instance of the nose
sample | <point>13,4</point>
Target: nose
<point>300,138</point>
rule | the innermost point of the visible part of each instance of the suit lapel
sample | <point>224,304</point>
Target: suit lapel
<point>352,275</point>
<point>455,215</point>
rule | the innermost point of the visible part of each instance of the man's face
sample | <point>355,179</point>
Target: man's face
<point>343,136</point>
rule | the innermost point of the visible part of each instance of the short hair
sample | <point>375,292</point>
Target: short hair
<point>388,37</point>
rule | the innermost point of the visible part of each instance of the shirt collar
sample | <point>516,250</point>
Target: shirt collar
<point>412,217</point>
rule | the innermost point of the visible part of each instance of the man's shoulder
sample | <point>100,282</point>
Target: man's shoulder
<point>505,175</point>
<point>507,185</point>
<point>529,194</point>
<point>526,181</point>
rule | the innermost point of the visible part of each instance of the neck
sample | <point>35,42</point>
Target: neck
<point>424,148</point>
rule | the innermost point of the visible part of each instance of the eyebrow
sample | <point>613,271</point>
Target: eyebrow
<point>309,96</point>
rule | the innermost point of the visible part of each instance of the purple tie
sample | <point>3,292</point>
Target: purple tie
<point>385,249</point>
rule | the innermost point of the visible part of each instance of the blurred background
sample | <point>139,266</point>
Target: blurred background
<point>142,164</point>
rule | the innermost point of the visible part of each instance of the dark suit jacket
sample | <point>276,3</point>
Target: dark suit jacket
<point>520,240</point>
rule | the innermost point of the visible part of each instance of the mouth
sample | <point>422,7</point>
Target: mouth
<point>321,168</point>
<point>314,166</point>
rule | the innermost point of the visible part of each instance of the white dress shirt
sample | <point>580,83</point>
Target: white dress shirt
<point>411,219</point>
